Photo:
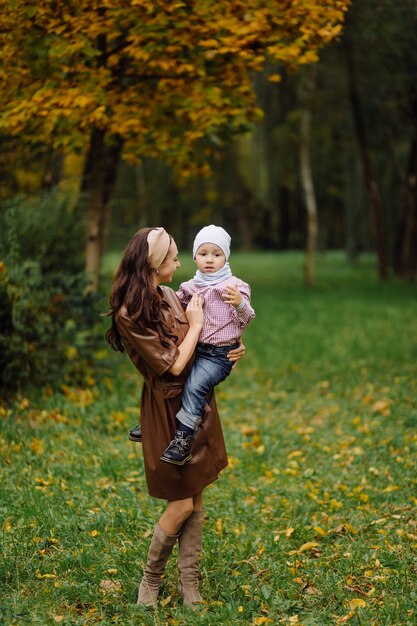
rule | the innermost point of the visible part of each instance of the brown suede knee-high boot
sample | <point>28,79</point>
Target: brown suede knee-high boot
<point>190,541</point>
<point>159,551</point>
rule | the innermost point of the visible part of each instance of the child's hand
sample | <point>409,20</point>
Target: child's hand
<point>232,295</point>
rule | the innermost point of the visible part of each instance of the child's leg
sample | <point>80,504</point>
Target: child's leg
<point>208,371</point>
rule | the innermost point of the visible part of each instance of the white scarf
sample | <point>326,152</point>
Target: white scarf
<point>207,280</point>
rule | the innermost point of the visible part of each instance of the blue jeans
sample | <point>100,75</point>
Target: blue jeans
<point>211,367</point>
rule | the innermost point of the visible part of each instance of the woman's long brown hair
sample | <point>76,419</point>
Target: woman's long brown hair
<point>133,287</point>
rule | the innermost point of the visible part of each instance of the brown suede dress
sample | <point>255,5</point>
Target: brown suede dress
<point>161,400</point>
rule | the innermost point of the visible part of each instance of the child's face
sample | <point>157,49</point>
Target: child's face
<point>209,258</point>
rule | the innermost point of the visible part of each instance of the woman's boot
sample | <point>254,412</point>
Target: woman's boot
<point>190,541</point>
<point>159,551</point>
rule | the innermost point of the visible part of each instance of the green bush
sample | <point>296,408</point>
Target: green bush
<point>46,316</point>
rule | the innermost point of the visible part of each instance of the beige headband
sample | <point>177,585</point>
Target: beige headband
<point>158,245</point>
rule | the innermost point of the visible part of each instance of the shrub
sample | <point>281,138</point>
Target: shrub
<point>46,316</point>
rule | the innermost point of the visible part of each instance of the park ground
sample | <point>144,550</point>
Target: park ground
<point>314,521</point>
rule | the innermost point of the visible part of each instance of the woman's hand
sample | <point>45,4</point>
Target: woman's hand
<point>236,354</point>
<point>194,312</point>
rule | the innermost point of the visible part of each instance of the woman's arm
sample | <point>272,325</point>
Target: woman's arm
<point>195,316</point>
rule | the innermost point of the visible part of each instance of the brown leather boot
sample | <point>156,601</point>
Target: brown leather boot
<point>159,551</point>
<point>190,541</point>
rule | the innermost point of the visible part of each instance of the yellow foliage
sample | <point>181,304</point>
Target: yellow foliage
<point>62,85</point>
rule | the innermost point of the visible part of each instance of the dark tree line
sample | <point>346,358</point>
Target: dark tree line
<point>332,164</point>
<point>362,129</point>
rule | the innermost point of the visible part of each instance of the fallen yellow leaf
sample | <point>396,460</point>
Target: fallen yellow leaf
<point>291,455</point>
<point>382,407</point>
<point>110,586</point>
<point>166,600</point>
<point>345,618</point>
<point>42,576</point>
<point>310,545</point>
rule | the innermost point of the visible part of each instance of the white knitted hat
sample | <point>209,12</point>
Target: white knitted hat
<point>213,234</point>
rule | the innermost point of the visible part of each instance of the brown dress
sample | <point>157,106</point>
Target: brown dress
<point>161,400</point>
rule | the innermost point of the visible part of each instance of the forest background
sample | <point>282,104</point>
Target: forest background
<point>294,125</point>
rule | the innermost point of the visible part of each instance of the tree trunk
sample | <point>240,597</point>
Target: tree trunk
<point>242,221</point>
<point>354,206</point>
<point>141,193</point>
<point>112,155</point>
<point>307,85</point>
<point>372,187</point>
<point>407,265</point>
<point>92,188</point>
<point>97,185</point>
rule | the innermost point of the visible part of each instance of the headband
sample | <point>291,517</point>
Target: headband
<point>158,246</point>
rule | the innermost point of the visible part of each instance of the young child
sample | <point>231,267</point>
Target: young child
<point>227,312</point>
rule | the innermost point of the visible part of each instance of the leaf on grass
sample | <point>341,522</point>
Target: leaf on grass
<point>391,488</point>
<point>166,600</point>
<point>356,589</point>
<point>343,529</point>
<point>289,532</point>
<point>111,586</point>
<point>345,618</point>
<point>306,587</point>
<point>36,446</point>
<point>313,591</point>
<point>44,576</point>
<point>248,431</point>
<point>310,545</point>
<point>357,602</point>
<point>293,454</point>
<point>59,618</point>
<point>382,406</point>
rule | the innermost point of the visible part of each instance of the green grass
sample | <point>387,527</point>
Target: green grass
<point>313,523</point>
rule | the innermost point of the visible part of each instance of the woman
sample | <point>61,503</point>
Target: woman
<point>160,338</point>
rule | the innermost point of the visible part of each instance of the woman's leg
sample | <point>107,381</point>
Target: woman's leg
<point>190,544</point>
<point>175,515</point>
<point>198,502</point>
<point>163,540</point>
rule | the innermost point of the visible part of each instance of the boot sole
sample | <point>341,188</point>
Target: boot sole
<point>135,439</point>
<point>176,462</point>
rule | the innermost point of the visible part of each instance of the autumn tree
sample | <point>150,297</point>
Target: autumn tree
<point>133,78</point>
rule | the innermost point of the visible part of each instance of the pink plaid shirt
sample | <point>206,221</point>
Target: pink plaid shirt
<point>223,323</point>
